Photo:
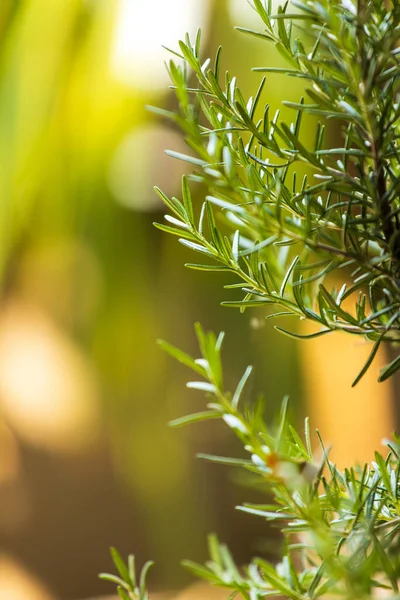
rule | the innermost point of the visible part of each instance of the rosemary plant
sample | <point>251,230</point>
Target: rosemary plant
<point>341,529</point>
<point>343,215</point>
<point>286,239</point>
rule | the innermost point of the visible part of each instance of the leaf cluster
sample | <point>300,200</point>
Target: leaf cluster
<point>128,587</point>
<point>341,529</point>
<point>286,217</point>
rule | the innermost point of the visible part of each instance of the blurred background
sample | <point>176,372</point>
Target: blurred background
<point>87,285</point>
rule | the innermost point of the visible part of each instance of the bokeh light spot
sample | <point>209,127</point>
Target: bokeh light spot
<point>139,163</point>
<point>142,26</point>
<point>16,583</point>
<point>48,393</point>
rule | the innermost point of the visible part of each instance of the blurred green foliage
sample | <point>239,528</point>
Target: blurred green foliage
<point>111,284</point>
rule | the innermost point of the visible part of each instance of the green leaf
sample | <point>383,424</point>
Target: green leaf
<point>235,208</point>
<point>259,512</point>
<point>286,54</point>
<point>214,549</point>
<point>260,245</point>
<point>200,571</point>
<point>186,158</point>
<point>240,387</point>
<point>173,230</point>
<point>299,443</point>
<point>162,112</point>
<point>189,56</point>
<point>307,436</point>
<point>383,471</point>
<point>257,34</point>
<point>389,369</point>
<point>195,418</point>
<point>303,336</point>
<point>143,576</point>
<point>173,204</point>
<point>198,267</point>
<point>197,247</point>
<point>287,276</point>
<point>263,13</point>
<point>246,303</point>
<point>283,422</point>
<point>187,200</point>
<point>337,309</point>
<point>114,579</point>
<point>182,357</point>
<point>120,565</point>
<point>225,460</point>
<point>368,362</point>
<point>131,569</point>
<point>202,339</point>
<point>203,386</point>
<point>229,564</point>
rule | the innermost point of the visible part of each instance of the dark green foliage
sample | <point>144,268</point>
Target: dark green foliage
<point>342,216</point>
